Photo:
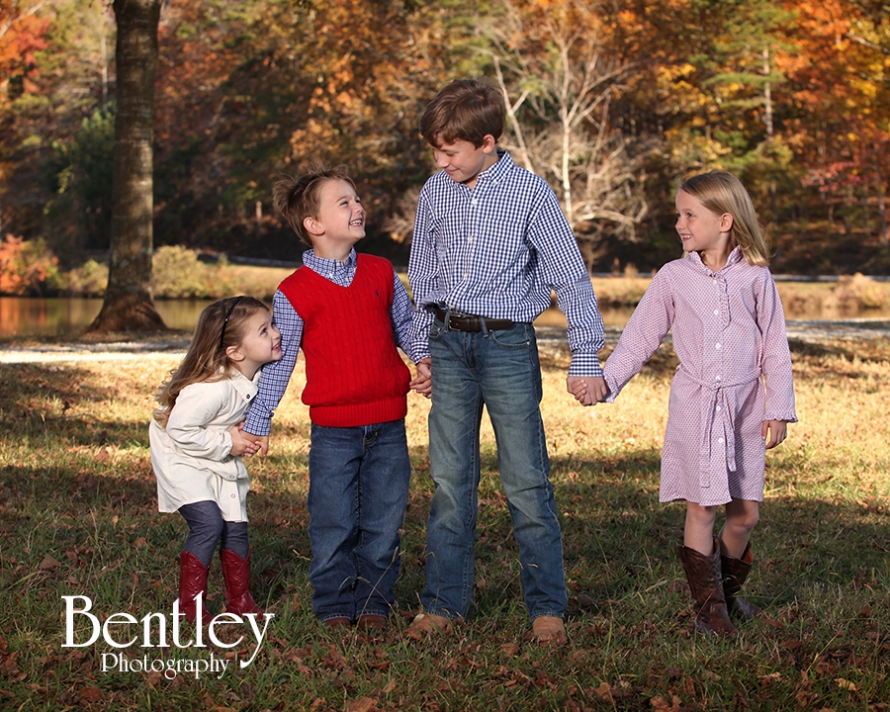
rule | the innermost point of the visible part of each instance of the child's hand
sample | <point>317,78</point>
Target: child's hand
<point>578,388</point>
<point>588,390</point>
<point>261,440</point>
<point>423,382</point>
<point>777,430</point>
<point>242,446</point>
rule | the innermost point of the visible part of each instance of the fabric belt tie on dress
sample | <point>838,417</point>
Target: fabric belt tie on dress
<point>469,322</point>
<point>707,421</point>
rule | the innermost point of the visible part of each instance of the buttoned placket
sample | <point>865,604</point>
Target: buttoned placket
<point>716,413</point>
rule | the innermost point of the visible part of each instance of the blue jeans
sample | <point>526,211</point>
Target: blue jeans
<point>358,491</point>
<point>498,369</point>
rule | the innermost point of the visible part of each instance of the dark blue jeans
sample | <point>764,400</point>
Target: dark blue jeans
<point>500,370</point>
<point>358,491</point>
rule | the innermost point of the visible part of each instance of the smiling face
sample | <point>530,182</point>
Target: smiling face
<point>340,221</point>
<point>260,344</point>
<point>704,231</point>
<point>463,161</point>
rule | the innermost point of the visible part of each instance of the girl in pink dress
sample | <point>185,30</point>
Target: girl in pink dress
<point>733,393</point>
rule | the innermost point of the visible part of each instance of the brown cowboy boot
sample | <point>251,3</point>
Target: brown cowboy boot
<point>706,584</point>
<point>236,572</point>
<point>735,571</point>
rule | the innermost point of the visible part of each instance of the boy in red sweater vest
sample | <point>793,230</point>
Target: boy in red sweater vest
<point>348,313</point>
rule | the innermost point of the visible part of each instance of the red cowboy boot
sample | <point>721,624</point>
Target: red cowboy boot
<point>192,581</point>
<point>236,572</point>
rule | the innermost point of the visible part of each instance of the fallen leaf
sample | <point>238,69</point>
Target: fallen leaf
<point>604,691</point>
<point>363,704</point>
<point>91,694</point>
<point>774,623</point>
<point>49,563</point>
<point>845,684</point>
<point>791,645</point>
<point>510,649</point>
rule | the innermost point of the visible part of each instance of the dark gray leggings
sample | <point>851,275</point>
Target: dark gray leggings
<point>207,528</point>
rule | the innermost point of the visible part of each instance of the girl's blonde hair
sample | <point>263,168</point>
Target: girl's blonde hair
<point>721,192</point>
<point>220,326</point>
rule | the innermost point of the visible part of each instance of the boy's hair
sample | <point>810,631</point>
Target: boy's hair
<point>220,325</point>
<point>297,198</point>
<point>721,192</point>
<point>466,110</point>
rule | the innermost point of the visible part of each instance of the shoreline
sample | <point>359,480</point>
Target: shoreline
<point>806,330</point>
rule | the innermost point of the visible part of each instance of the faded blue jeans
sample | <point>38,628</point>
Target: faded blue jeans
<point>358,491</point>
<point>500,370</point>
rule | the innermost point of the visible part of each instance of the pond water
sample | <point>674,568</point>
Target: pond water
<point>26,316</point>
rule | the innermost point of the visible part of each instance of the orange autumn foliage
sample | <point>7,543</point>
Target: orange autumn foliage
<point>24,266</point>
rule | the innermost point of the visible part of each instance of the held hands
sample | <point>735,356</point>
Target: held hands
<point>777,430</point>
<point>261,441</point>
<point>423,382</point>
<point>588,390</point>
<point>241,445</point>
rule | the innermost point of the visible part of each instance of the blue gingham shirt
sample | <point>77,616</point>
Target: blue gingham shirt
<point>276,375</point>
<point>496,250</point>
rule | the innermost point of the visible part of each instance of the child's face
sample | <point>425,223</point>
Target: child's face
<point>341,216</point>
<point>463,161</point>
<point>260,344</point>
<point>700,229</point>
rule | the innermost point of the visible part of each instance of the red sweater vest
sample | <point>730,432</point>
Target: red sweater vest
<point>354,374</point>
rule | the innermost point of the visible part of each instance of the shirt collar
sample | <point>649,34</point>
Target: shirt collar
<point>499,170</point>
<point>325,265</point>
<point>245,386</point>
<point>734,257</point>
<point>493,174</point>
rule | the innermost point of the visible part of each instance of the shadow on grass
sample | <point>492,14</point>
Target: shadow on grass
<point>73,532</point>
<point>50,402</point>
<point>859,350</point>
<point>70,532</point>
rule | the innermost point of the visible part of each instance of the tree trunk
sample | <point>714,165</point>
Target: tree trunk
<point>128,304</point>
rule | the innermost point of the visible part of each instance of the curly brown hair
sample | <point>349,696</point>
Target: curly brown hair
<point>220,326</point>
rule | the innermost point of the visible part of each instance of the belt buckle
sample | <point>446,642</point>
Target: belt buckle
<point>454,318</point>
<point>465,322</point>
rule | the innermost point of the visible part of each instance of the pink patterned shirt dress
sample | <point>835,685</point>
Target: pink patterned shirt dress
<point>728,331</point>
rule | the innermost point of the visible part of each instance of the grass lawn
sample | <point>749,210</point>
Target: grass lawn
<point>79,518</point>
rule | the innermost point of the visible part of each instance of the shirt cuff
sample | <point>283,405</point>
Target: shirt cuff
<point>258,426</point>
<point>586,365</point>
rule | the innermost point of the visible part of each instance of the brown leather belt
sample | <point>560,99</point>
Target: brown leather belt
<point>472,323</point>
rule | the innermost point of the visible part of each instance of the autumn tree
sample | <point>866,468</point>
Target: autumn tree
<point>553,62</point>
<point>128,304</point>
<point>23,25</point>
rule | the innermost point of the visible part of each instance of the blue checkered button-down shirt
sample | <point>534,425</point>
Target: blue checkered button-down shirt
<point>276,375</point>
<point>497,250</point>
